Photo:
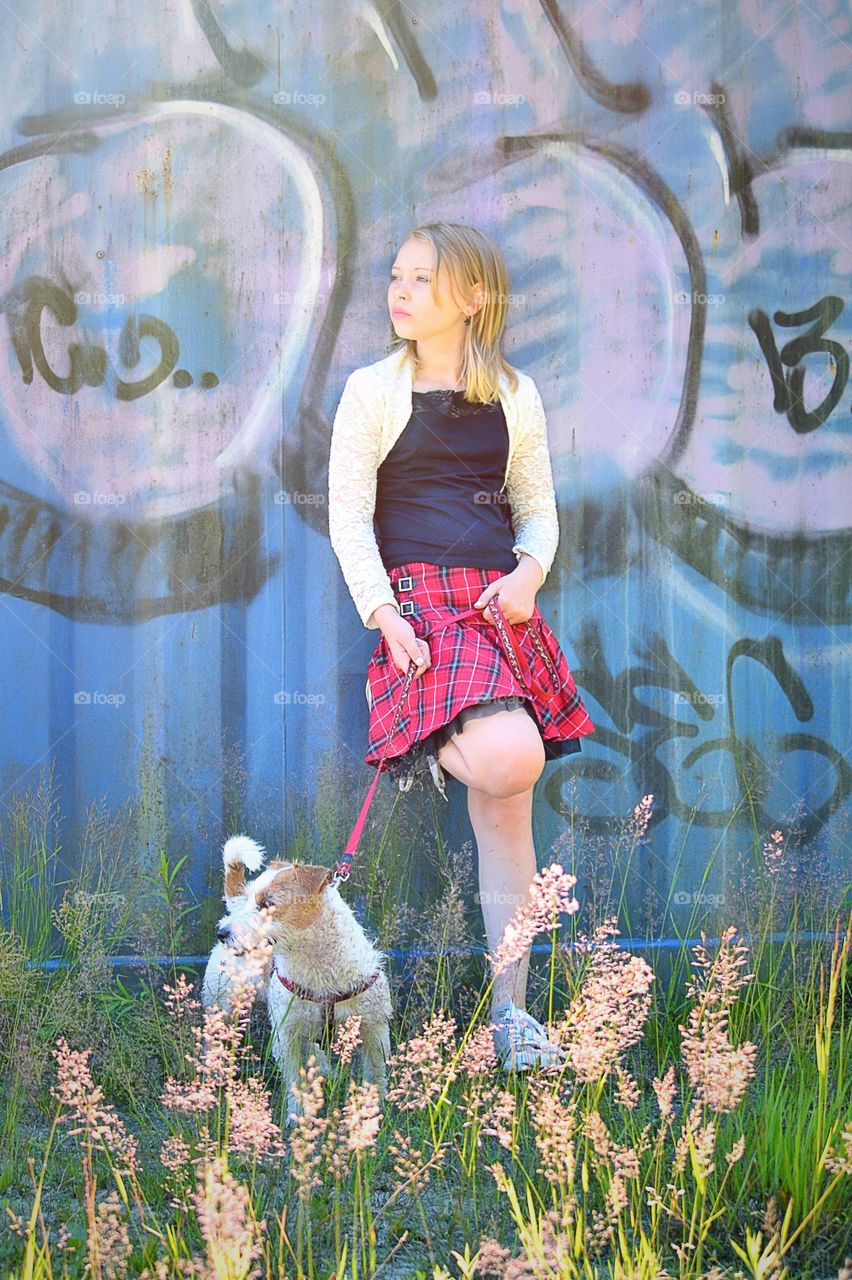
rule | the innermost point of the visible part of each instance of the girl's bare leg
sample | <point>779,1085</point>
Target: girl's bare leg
<point>499,758</point>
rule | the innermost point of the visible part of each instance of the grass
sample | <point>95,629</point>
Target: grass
<point>702,1129</point>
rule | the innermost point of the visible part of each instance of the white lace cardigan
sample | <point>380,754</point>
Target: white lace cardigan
<point>374,409</point>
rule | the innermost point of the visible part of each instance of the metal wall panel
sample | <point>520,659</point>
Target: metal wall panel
<point>199,207</point>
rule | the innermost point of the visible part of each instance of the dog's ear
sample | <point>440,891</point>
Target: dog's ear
<point>296,883</point>
<point>235,880</point>
<point>294,894</point>
<point>312,880</point>
<point>240,854</point>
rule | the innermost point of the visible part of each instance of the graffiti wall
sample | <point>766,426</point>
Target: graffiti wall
<point>200,204</point>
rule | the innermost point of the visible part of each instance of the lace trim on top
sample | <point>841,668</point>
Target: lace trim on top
<point>453,404</point>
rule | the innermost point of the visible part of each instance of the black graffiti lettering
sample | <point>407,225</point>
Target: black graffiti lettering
<point>87,362</point>
<point>820,814</point>
<point>770,653</point>
<point>129,348</point>
<point>616,694</point>
<point>753,767</point>
<point>789,388</point>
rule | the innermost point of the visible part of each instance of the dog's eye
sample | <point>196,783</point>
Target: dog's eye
<point>262,900</point>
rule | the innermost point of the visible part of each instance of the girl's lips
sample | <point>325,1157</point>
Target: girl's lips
<point>400,313</point>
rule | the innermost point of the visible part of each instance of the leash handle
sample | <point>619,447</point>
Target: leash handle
<point>514,654</point>
<point>520,669</point>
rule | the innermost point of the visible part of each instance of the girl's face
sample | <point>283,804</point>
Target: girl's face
<point>413,309</point>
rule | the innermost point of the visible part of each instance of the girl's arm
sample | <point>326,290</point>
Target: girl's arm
<point>529,486</point>
<point>532,502</point>
<point>352,466</point>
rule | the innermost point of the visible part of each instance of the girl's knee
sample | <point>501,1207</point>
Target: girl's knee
<point>506,762</point>
<point>510,775</point>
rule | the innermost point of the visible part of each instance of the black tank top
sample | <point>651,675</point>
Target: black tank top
<point>438,490</point>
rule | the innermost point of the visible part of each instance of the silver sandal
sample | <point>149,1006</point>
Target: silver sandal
<point>521,1042</point>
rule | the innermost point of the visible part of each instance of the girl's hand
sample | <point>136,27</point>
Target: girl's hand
<point>402,642</point>
<point>516,590</point>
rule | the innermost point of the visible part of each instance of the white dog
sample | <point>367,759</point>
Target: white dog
<point>322,969</point>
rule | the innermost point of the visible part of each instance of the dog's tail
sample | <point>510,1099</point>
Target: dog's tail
<point>243,851</point>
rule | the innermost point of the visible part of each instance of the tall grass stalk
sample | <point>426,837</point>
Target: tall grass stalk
<point>637,1159</point>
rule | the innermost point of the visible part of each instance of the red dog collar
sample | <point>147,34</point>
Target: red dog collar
<point>326,1003</point>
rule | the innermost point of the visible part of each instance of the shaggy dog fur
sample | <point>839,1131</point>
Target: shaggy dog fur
<point>317,945</point>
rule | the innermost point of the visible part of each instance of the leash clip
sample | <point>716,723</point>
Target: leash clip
<point>341,871</point>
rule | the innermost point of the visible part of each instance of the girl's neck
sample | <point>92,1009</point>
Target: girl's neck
<point>436,370</point>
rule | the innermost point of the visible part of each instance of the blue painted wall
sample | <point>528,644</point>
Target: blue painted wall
<point>199,207</point>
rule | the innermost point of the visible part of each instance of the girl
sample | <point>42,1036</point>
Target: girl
<point>441,498</point>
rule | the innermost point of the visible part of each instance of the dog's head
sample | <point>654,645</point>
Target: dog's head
<point>285,896</point>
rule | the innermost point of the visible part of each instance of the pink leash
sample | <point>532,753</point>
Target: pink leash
<point>521,671</point>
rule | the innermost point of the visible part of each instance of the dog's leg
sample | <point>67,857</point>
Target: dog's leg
<point>218,980</point>
<point>323,1064</point>
<point>286,1052</point>
<point>375,1051</point>
<point>291,1048</point>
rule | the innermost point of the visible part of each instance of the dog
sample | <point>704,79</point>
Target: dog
<point>322,968</point>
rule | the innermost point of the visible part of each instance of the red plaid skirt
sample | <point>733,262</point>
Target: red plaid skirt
<point>468,666</point>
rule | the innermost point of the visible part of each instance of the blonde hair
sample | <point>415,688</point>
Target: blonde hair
<point>470,256</point>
